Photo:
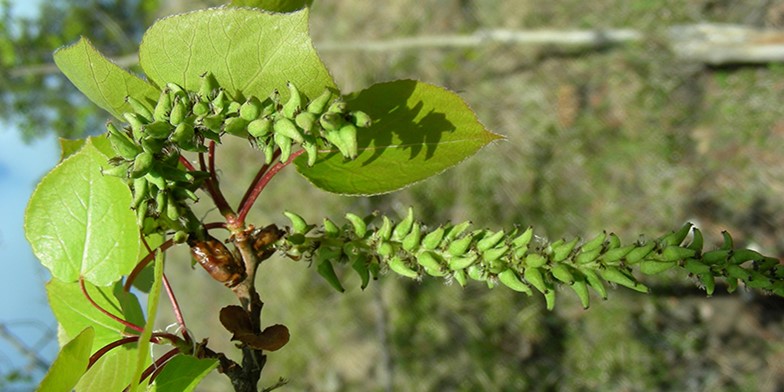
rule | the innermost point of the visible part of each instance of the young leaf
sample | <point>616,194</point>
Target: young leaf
<point>74,313</point>
<point>70,146</point>
<point>418,130</point>
<point>79,223</point>
<point>111,373</point>
<point>102,81</point>
<point>260,51</point>
<point>183,373</point>
<point>70,364</point>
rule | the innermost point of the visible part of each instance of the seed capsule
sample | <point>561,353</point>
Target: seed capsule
<point>260,127</point>
<point>158,130</point>
<point>142,164</point>
<point>178,113</point>
<point>294,103</point>
<point>318,104</point>
<point>208,85</point>
<point>348,138</point>
<point>306,121</point>
<point>397,265</point>
<point>510,279</point>
<point>218,261</point>
<point>402,228</point>
<point>360,119</point>
<point>123,145</point>
<point>139,108</point>
<point>251,109</point>
<point>163,107</point>
<point>286,127</point>
<point>235,126</point>
<point>360,227</point>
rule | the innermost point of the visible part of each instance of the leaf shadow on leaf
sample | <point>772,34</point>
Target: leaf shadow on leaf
<point>395,116</point>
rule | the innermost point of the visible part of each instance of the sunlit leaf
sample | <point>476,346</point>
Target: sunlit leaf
<point>183,373</point>
<point>79,223</point>
<point>74,313</point>
<point>248,51</point>
<point>102,81</point>
<point>419,130</point>
<point>111,373</point>
<point>70,364</point>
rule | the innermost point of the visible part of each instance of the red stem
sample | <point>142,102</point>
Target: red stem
<point>211,184</point>
<point>176,308</point>
<point>143,263</point>
<point>202,164</point>
<point>106,312</point>
<point>156,367</point>
<point>187,164</point>
<point>215,225</point>
<point>256,179</point>
<point>105,349</point>
<point>211,160</point>
<point>259,186</point>
<point>130,339</point>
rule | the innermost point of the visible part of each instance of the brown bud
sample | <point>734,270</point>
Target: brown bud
<point>219,262</point>
<point>261,239</point>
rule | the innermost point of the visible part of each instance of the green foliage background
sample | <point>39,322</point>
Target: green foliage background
<point>626,139</point>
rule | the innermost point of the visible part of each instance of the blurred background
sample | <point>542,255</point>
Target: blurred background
<point>651,120</point>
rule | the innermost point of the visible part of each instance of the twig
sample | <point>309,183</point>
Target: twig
<point>176,309</point>
<point>707,43</point>
<point>143,263</point>
<point>259,185</point>
<point>596,38</point>
<point>20,346</point>
<point>118,319</point>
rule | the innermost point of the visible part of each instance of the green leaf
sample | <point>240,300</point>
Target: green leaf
<point>249,51</point>
<point>111,373</point>
<point>69,146</point>
<point>70,364</point>
<point>419,130</point>
<point>183,373</point>
<point>102,81</point>
<point>273,5</point>
<point>74,312</point>
<point>79,223</point>
<point>143,353</point>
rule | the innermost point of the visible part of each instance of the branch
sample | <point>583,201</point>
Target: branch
<point>713,44</point>
<point>260,183</point>
<point>20,346</point>
<point>523,261</point>
<point>589,38</point>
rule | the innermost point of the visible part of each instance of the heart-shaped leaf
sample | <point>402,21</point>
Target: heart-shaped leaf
<point>418,130</point>
<point>102,81</point>
<point>250,52</point>
<point>79,223</point>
